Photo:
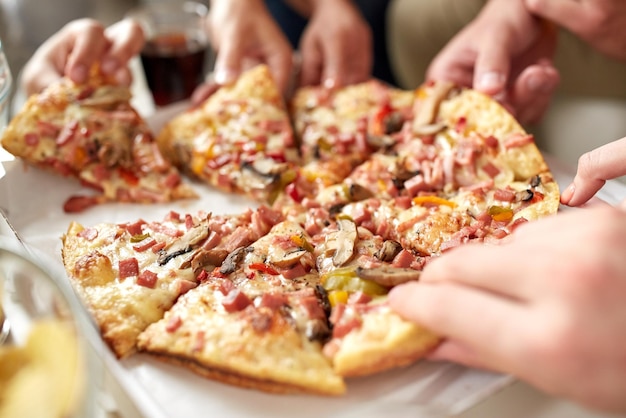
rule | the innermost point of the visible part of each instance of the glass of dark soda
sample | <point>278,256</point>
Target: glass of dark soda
<point>177,51</point>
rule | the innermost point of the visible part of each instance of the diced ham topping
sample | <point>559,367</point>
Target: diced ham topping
<point>89,234</point>
<point>147,279</point>
<point>128,267</point>
<point>135,228</point>
<point>144,245</point>
<point>345,325</point>
<point>235,301</point>
<point>200,341</point>
<point>67,133</point>
<point>404,259</point>
<point>273,300</point>
<point>491,169</point>
<point>296,271</point>
<point>184,286</point>
<point>504,195</point>
<point>173,323</point>
<point>312,307</point>
<point>359,297</point>
<point>518,140</point>
<point>31,139</point>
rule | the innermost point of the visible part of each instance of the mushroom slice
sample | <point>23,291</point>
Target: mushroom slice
<point>388,276</point>
<point>231,262</point>
<point>356,192</point>
<point>388,251</point>
<point>205,259</point>
<point>287,258</point>
<point>345,239</point>
<point>430,129</point>
<point>185,244</point>
<point>428,107</point>
<point>262,172</point>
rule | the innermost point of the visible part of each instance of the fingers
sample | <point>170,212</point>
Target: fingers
<point>594,168</point>
<point>483,272</point>
<point>127,39</point>
<point>482,323</point>
<point>532,91</point>
<point>453,64</point>
<point>311,71</point>
<point>87,44</point>
<point>566,12</point>
<point>228,61</point>
<point>493,64</point>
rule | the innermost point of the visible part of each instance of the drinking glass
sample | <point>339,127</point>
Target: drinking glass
<point>6,82</point>
<point>177,51</point>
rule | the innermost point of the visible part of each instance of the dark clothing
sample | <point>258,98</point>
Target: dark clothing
<point>374,12</point>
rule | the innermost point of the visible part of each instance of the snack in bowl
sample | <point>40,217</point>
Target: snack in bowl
<point>291,297</point>
<point>92,133</point>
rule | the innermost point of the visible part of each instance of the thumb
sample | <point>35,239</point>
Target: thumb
<point>228,61</point>
<point>493,64</point>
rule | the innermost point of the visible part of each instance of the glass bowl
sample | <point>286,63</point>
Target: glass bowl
<point>48,366</point>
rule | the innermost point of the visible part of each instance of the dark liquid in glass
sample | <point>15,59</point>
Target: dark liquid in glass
<point>174,66</point>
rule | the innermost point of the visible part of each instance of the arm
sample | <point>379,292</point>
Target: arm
<point>505,52</point>
<point>78,45</point>
<point>336,46</point>
<point>546,306</point>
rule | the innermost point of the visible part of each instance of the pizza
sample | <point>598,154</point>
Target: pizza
<point>239,140</point>
<point>369,184</point>
<point>91,132</point>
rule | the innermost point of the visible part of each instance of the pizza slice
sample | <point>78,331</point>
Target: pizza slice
<point>129,274</point>
<point>91,132</point>
<point>239,140</point>
<point>258,321</point>
<point>351,122</point>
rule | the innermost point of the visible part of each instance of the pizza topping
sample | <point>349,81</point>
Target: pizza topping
<point>518,140</point>
<point>388,276</point>
<point>147,278</point>
<point>500,214</point>
<point>173,323</point>
<point>232,261</point>
<point>346,279</point>
<point>185,243</point>
<point>144,245</point>
<point>89,234</point>
<point>388,250</point>
<point>345,240</point>
<point>264,268</point>
<point>128,267</point>
<point>235,301</point>
<point>203,259</point>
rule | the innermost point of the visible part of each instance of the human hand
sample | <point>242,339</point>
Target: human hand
<point>594,169</point>
<point>79,44</point>
<point>547,306</point>
<point>244,34</point>
<point>505,52</point>
<point>336,46</point>
<point>598,22</point>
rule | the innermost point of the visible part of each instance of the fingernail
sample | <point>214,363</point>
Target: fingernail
<point>539,84</point>
<point>329,83</point>
<point>225,76</point>
<point>490,81</point>
<point>109,65</point>
<point>568,194</point>
<point>79,73</point>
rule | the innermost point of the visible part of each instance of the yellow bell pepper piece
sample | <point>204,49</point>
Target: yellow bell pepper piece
<point>336,297</point>
<point>500,214</point>
<point>433,200</point>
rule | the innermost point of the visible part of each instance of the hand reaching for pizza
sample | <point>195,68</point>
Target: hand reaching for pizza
<point>547,306</point>
<point>594,169</point>
<point>598,22</point>
<point>336,45</point>
<point>244,34</point>
<point>505,52</point>
<point>78,45</point>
